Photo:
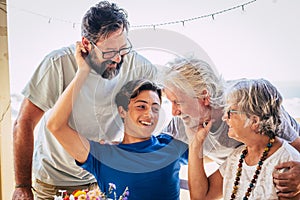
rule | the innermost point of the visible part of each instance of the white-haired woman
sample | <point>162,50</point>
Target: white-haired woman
<point>253,116</point>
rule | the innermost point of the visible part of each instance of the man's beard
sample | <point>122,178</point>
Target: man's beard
<point>102,69</point>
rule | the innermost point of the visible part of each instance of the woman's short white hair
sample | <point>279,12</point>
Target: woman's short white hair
<point>260,98</point>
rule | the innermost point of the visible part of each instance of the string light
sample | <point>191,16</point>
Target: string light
<point>212,15</point>
<point>183,22</point>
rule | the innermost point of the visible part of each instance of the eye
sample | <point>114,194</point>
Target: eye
<point>141,106</point>
<point>156,109</point>
<point>109,53</point>
<point>125,51</point>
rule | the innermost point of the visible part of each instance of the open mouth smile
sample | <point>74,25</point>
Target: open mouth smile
<point>145,123</point>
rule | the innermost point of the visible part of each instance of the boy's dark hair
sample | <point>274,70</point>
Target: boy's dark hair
<point>103,19</point>
<point>132,89</point>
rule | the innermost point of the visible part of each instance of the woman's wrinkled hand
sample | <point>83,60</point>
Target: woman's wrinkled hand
<point>198,135</point>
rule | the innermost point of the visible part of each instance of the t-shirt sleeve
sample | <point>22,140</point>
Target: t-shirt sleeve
<point>183,151</point>
<point>290,128</point>
<point>45,85</point>
<point>184,157</point>
<point>91,164</point>
<point>48,80</point>
<point>88,164</point>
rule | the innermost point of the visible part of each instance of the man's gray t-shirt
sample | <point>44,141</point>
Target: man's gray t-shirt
<point>94,112</point>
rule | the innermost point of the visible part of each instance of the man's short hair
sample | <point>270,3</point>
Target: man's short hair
<point>103,19</point>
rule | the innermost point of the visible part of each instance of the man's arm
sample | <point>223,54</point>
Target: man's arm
<point>288,182</point>
<point>296,144</point>
<point>29,116</point>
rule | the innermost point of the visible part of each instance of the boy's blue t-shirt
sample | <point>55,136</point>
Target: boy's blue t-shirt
<point>150,169</point>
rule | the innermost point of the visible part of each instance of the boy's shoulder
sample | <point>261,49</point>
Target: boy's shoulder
<point>167,138</point>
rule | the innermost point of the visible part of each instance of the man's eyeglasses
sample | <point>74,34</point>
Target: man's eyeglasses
<point>232,111</point>
<point>111,54</point>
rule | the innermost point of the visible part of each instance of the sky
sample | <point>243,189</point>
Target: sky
<point>260,41</point>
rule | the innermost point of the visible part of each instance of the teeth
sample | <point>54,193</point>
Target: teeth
<point>146,123</point>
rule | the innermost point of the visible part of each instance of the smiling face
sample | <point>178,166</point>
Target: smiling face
<point>108,68</point>
<point>239,129</point>
<point>141,117</point>
<point>191,110</point>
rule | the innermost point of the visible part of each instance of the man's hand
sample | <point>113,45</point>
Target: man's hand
<point>23,194</point>
<point>287,182</point>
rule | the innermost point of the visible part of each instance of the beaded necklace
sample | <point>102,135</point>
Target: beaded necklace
<point>255,176</point>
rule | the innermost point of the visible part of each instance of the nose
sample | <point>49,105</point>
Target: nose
<point>148,112</point>
<point>117,58</point>
<point>175,110</point>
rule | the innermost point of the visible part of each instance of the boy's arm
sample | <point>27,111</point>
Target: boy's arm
<point>75,144</point>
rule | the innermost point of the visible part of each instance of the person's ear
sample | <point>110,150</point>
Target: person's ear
<point>254,123</point>
<point>122,112</point>
<point>205,100</point>
<point>86,43</point>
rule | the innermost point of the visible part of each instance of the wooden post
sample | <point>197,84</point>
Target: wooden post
<point>6,149</point>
